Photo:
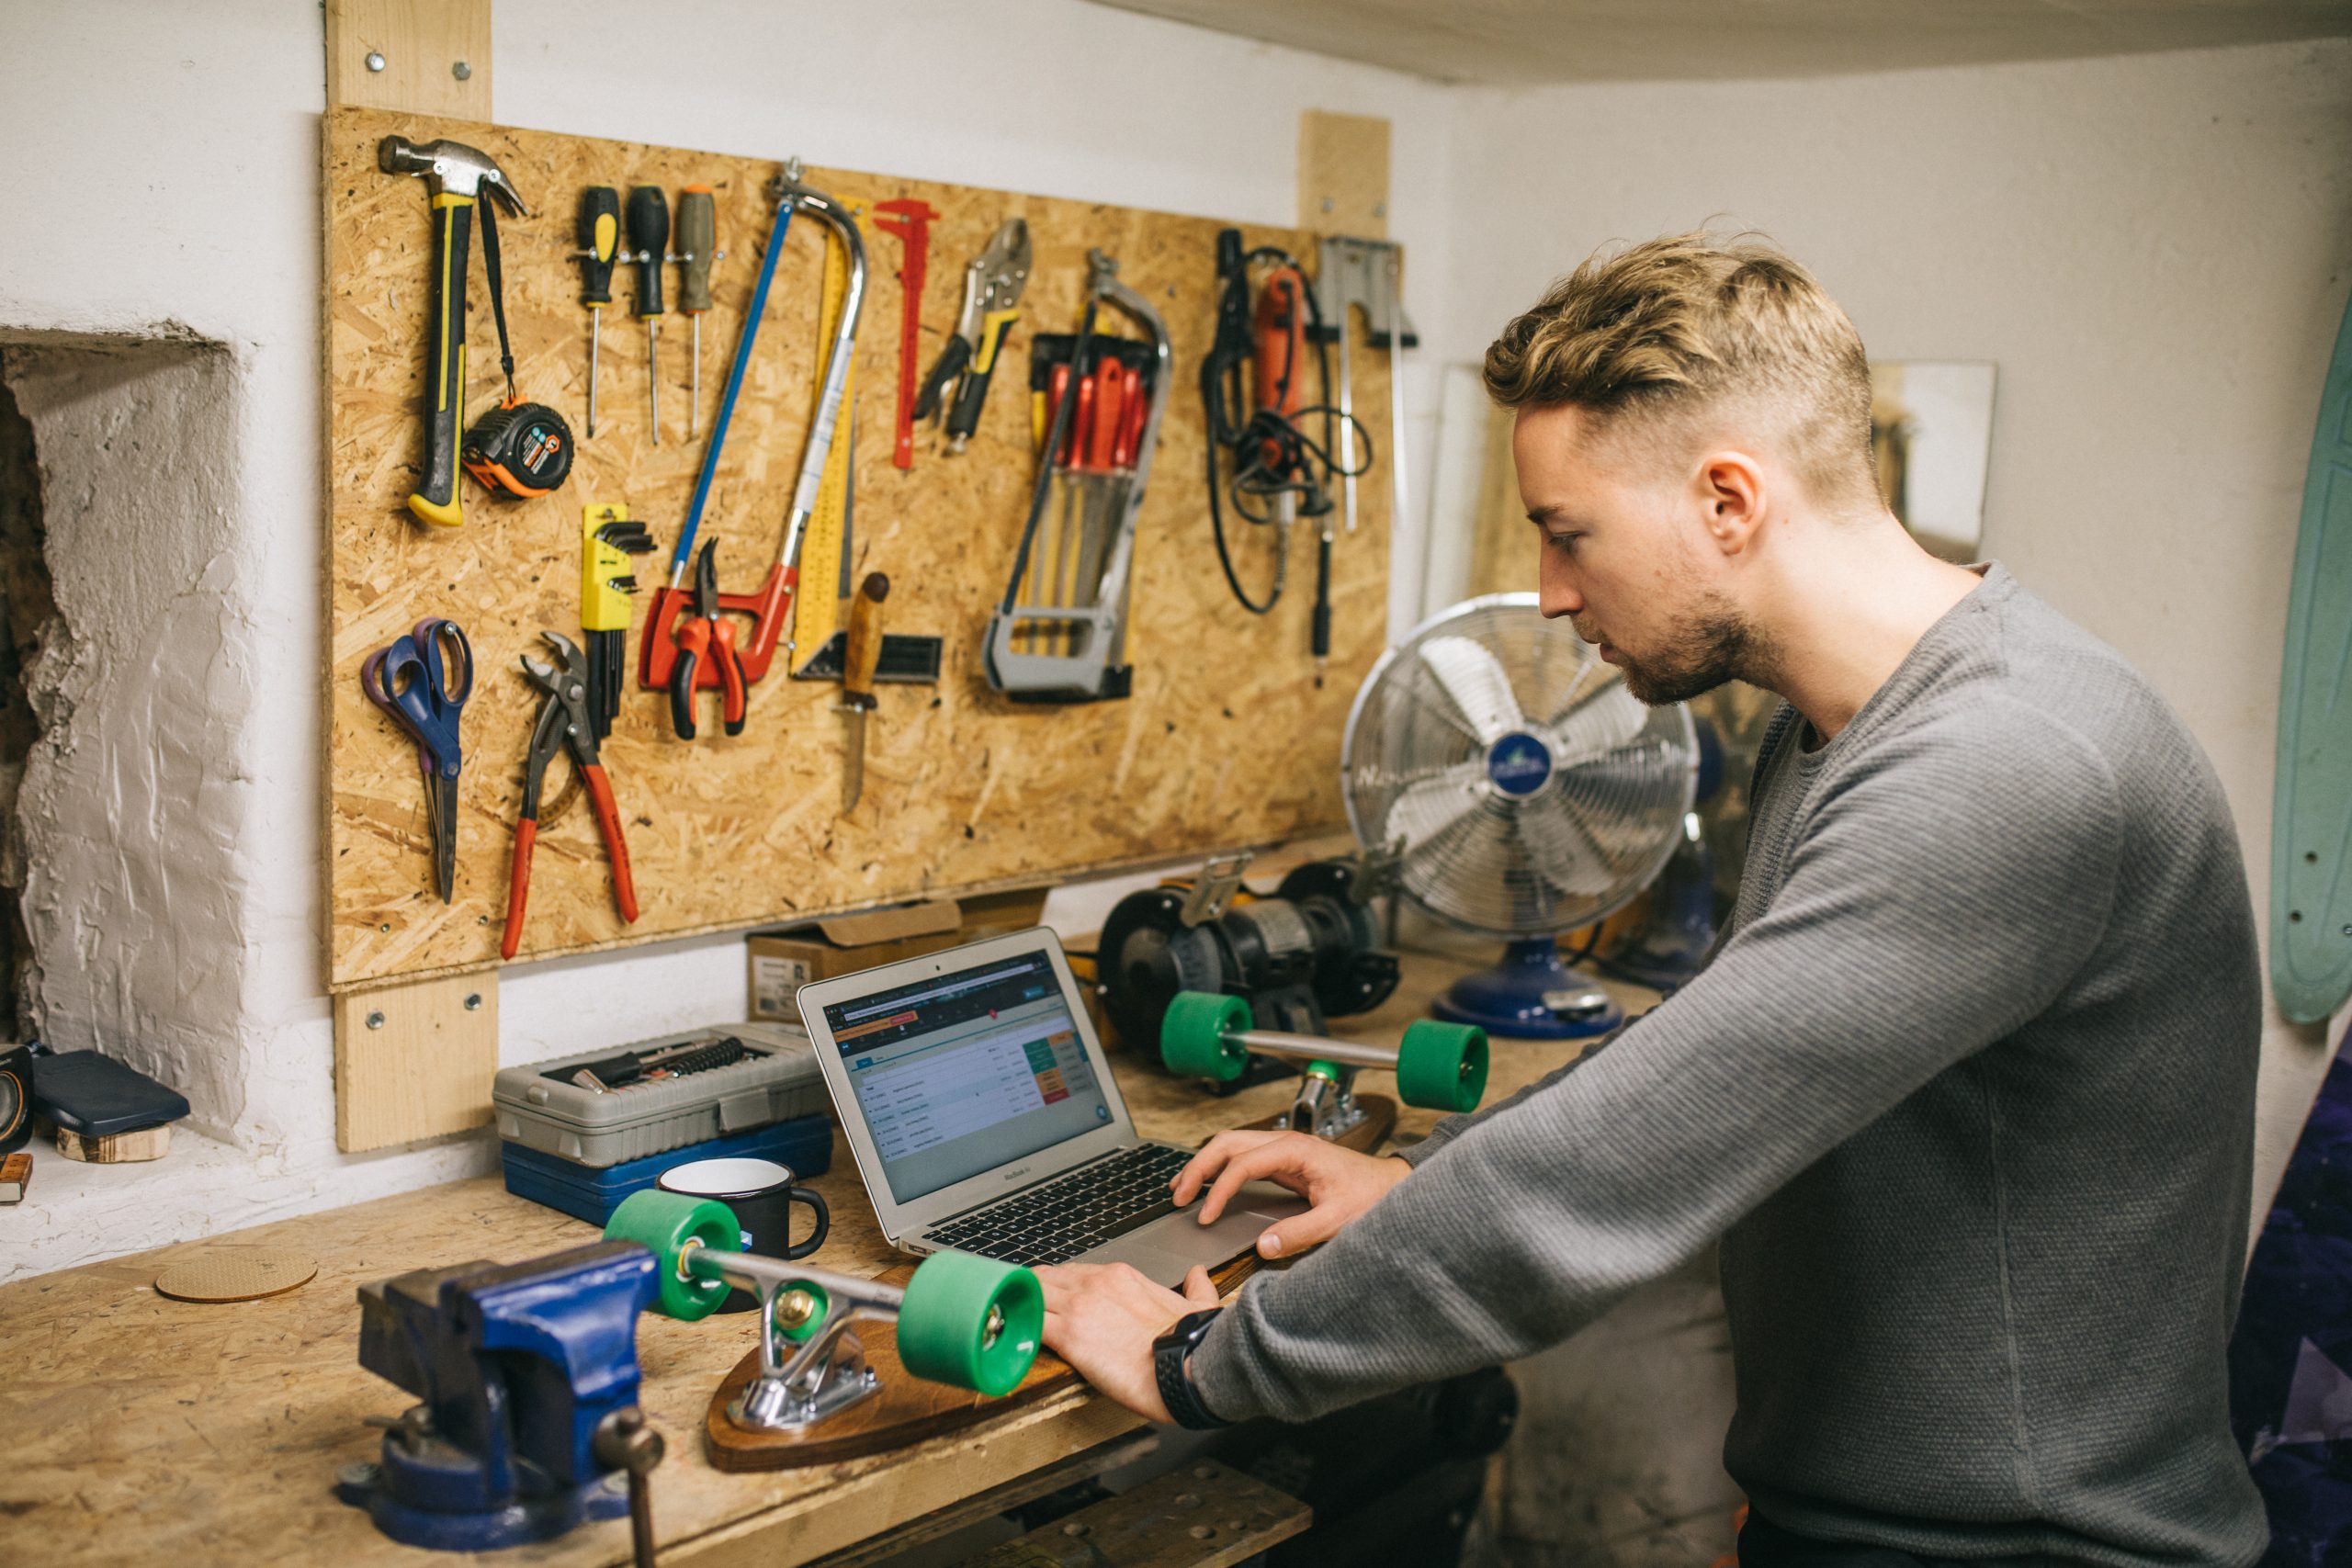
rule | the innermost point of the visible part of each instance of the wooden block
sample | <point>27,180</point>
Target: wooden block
<point>1343,174</point>
<point>421,44</point>
<point>115,1148</point>
<point>1203,1514</point>
<point>413,1061</point>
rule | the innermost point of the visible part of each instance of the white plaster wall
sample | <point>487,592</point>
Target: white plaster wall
<point>2156,250</point>
<point>171,151</point>
<point>132,805</point>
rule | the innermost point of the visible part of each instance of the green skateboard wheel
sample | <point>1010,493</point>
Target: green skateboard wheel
<point>971,1322</point>
<point>1442,1066</point>
<point>1193,1037</point>
<point>672,1225</point>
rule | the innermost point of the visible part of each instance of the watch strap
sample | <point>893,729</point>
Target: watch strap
<point>1168,1354</point>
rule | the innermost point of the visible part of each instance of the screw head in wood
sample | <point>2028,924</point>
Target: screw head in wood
<point>473,1001</point>
<point>1327,204</point>
<point>1380,210</point>
<point>375,1021</point>
<point>462,72</point>
<point>375,60</point>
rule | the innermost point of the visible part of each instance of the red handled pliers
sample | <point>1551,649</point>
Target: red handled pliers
<point>706,634</point>
<point>563,722</point>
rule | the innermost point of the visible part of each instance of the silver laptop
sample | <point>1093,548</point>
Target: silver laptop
<point>984,1117</point>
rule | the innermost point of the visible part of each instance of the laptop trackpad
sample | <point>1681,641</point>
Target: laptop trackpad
<point>1165,1248</point>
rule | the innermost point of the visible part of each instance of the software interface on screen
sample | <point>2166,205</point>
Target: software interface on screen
<point>959,1073</point>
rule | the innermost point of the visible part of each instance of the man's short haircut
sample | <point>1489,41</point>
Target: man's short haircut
<point>1646,337</point>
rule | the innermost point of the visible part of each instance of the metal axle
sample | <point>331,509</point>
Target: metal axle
<point>803,1381</point>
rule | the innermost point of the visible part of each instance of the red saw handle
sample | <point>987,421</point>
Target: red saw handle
<point>657,649</point>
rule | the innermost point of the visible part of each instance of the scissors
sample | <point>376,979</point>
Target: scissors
<point>411,679</point>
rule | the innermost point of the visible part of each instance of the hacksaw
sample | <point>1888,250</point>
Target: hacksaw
<point>774,602</point>
<point>824,554</point>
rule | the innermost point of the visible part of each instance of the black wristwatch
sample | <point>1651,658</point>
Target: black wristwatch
<point>1168,1354</point>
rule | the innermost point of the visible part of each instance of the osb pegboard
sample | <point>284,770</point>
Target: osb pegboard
<point>1225,741</point>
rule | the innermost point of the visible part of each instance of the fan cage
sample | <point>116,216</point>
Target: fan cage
<point>1581,845</point>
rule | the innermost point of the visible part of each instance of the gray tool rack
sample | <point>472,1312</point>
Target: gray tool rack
<point>775,1080</point>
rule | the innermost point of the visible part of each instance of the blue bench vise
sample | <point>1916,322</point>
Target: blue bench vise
<point>528,1376</point>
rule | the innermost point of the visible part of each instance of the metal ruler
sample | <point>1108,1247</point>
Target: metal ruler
<point>824,552</point>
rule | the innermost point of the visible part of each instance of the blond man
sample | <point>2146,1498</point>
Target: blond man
<point>1965,1095</point>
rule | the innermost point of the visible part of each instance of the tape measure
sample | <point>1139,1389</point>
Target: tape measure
<point>824,548</point>
<point>519,449</point>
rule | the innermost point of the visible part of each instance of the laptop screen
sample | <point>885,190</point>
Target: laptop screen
<point>959,1073</point>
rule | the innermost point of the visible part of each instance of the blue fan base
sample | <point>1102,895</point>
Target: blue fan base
<point>1508,999</point>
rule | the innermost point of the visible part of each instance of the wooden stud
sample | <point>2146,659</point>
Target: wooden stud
<point>413,1061</point>
<point>1502,547</point>
<point>1343,174</point>
<point>418,49</point>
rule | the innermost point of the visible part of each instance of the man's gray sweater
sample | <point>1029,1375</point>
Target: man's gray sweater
<point>1966,1095</point>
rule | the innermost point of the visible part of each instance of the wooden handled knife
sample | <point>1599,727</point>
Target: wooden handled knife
<point>857,680</point>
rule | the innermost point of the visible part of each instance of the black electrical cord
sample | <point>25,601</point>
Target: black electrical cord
<point>1273,455</point>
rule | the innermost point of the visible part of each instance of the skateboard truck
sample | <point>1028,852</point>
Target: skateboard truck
<point>968,1322</point>
<point>1440,1066</point>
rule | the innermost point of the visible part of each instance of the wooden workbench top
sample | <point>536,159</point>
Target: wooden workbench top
<point>138,1429</point>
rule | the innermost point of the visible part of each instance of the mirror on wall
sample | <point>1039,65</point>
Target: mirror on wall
<point>1931,431</point>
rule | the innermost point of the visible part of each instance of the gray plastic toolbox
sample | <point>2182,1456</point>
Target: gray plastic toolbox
<point>540,1107</point>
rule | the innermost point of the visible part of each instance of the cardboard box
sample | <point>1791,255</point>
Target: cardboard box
<point>783,959</point>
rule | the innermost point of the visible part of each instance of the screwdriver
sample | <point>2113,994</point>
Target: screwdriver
<point>600,237</point>
<point>649,242</point>
<point>698,243</point>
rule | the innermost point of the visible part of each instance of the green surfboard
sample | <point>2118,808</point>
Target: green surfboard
<point>2310,832</point>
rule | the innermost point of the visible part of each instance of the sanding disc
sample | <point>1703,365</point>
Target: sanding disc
<point>235,1274</point>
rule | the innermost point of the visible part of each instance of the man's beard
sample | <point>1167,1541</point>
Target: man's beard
<point>1714,646</point>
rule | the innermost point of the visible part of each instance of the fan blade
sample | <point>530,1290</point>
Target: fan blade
<point>1597,723</point>
<point>1427,809</point>
<point>1473,680</point>
<point>1565,854</point>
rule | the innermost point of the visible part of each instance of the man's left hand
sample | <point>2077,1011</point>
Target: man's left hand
<point>1101,1319</point>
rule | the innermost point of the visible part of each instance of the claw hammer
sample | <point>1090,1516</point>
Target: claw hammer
<point>456,175</point>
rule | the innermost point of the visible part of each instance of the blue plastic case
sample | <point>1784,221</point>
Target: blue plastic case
<point>592,1192</point>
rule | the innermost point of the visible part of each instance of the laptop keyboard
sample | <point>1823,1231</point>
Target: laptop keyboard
<point>1056,1221</point>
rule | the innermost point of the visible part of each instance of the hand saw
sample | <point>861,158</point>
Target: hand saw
<point>824,554</point>
<point>772,603</point>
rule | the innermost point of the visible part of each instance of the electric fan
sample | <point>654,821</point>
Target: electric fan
<point>1524,793</point>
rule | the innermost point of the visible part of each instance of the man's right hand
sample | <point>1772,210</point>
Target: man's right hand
<point>1339,1183</point>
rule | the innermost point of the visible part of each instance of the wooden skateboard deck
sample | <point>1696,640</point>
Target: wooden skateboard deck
<point>908,1409</point>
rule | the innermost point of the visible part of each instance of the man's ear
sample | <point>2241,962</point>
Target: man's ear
<point>1732,494</point>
